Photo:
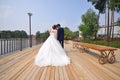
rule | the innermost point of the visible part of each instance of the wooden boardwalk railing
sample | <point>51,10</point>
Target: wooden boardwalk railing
<point>20,66</point>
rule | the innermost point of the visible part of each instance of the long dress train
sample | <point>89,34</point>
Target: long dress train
<point>51,52</point>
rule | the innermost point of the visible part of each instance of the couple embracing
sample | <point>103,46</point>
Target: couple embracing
<point>52,53</point>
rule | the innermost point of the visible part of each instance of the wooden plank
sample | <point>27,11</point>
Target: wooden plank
<point>65,74</point>
<point>80,72</point>
<point>11,67</point>
<point>113,69</point>
<point>61,73</point>
<point>44,74</point>
<point>35,73</point>
<point>48,73</point>
<point>82,67</point>
<point>80,63</point>
<point>31,71</point>
<point>39,74</point>
<point>73,72</point>
<point>103,68</point>
<point>12,63</point>
<point>94,70</point>
<point>25,73</point>
<point>6,61</point>
<point>57,73</point>
<point>97,47</point>
<point>70,75</point>
<point>52,74</point>
<point>16,70</point>
<point>20,72</point>
<point>8,70</point>
<point>18,66</point>
<point>7,58</point>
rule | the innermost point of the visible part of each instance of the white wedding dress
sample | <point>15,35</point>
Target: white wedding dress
<point>51,53</point>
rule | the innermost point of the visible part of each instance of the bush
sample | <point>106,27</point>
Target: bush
<point>101,42</point>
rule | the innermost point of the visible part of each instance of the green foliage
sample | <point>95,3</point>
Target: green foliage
<point>68,34</point>
<point>85,30</point>
<point>5,34</point>
<point>23,34</point>
<point>76,34</point>
<point>37,34</point>
<point>89,18</point>
<point>101,42</point>
<point>114,5</point>
<point>89,26</point>
<point>13,34</point>
<point>101,5</point>
<point>44,34</point>
<point>20,34</point>
<point>118,21</point>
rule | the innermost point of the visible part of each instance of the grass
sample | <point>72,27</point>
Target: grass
<point>115,43</point>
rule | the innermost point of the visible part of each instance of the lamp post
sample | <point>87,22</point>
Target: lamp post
<point>30,14</point>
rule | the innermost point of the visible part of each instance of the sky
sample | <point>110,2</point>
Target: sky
<point>13,14</point>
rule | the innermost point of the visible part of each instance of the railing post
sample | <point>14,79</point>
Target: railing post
<point>21,43</point>
<point>11,45</point>
<point>4,46</point>
<point>1,47</point>
<point>7,45</point>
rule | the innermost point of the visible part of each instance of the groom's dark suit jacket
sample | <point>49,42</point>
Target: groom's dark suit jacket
<point>60,34</point>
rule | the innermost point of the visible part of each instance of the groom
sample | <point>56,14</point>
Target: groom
<point>60,35</point>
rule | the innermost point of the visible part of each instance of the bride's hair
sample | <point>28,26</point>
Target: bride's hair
<point>54,27</point>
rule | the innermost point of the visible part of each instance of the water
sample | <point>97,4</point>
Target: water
<point>12,45</point>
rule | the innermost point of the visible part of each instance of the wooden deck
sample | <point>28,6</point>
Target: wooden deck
<point>84,66</point>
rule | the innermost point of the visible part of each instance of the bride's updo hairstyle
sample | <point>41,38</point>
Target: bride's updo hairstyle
<point>54,27</point>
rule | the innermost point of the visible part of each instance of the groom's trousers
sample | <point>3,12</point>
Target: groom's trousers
<point>62,43</point>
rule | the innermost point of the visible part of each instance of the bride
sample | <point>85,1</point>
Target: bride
<point>51,53</point>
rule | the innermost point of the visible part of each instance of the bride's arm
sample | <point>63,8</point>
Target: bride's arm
<point>51,31</point>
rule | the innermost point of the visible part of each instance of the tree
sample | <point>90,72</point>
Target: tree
<point>17,34</point>
<point>38,35</point>
<point>85,30</point>
<point>20,34</point>
<point>6,34</point>
<point>100,5</point>
<point>76,34</point>
<point>113,5</point>
<point>13,34</point>
<point>118,21</point>
<point>68,34</point>
<point>44,34</point>
<point>23,34</point>
<point>89,26</point>
<point>112,24</point>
